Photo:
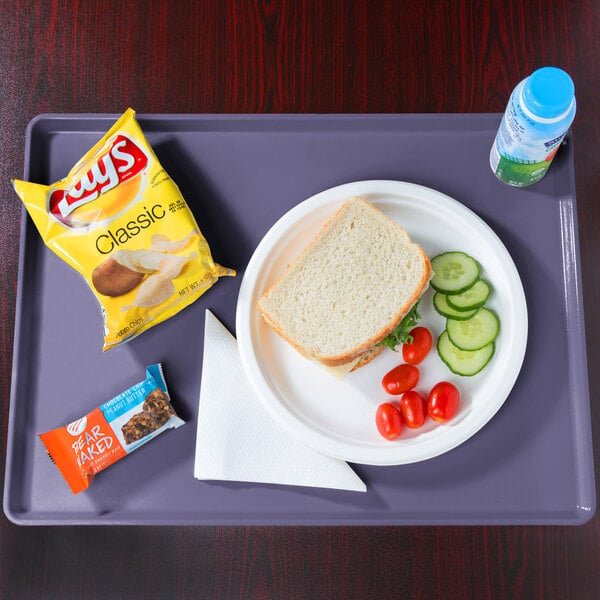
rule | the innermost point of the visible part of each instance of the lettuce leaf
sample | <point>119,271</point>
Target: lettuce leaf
<point>400,335</point>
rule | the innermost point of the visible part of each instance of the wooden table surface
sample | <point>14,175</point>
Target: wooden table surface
<point>294,56</point>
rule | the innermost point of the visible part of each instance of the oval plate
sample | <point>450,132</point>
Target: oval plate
<point>337,417</point>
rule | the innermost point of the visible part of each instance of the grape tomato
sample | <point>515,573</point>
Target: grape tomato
<point>400,379</point>
<point>388,419</point>
<point>413,408</point>
<point>414,352</point>
<point>442,401</point>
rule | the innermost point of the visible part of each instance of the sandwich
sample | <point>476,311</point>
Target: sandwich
<point>353,291</point>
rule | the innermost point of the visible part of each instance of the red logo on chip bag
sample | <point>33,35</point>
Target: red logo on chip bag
<point>123,161</point>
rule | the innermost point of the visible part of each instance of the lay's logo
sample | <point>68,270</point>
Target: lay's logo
<point>120,165</point>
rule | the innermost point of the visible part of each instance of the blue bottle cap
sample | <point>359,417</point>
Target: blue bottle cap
<point>548,92</point>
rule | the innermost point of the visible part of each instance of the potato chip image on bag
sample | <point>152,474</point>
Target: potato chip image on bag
<point>121,222</point>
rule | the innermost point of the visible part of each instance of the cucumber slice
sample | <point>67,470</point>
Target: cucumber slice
<point>463,362</point>
<point>474,333</point>
<point>440,303</point>
<point>454,272</point>
<point>475,297</point>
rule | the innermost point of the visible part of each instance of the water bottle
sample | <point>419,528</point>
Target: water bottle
<point>538,115</point>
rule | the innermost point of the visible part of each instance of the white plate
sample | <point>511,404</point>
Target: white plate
<point>337,417</point>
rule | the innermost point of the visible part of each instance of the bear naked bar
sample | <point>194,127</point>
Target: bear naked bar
<point>110,432</point>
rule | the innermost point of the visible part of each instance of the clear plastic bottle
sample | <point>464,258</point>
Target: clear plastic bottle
<point>538,115</point>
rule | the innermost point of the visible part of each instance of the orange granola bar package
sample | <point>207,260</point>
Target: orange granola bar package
<point>83,448</point>
<point>120,221</point>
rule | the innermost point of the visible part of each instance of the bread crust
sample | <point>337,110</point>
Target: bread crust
<point>341,359</point>
<point>368,356</point>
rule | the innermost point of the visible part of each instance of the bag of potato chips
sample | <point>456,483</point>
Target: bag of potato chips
<point>120,221</point>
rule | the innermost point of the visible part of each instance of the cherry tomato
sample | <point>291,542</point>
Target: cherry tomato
<point>414,409</point>
<point>388,419</point>
<point>413,353</point>
<point>400,379</point>
<point>442,402</point>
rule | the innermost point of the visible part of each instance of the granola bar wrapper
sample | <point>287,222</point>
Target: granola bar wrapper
<point>120,221</point>
<point>110,432</point>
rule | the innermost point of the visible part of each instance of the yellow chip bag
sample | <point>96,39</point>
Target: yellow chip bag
<point>120,221</point>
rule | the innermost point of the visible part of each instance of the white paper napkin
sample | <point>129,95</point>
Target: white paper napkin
<point>237,440</point>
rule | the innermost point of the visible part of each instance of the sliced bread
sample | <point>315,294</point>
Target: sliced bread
<point>349,288</point>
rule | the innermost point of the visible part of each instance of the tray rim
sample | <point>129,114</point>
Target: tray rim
<point>579,515</point>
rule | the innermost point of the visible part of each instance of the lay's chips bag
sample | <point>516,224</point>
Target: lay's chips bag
<point>120,221</point>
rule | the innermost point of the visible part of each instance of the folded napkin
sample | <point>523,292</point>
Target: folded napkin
<point>237,440</point>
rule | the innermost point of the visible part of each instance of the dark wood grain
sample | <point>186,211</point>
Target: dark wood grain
<point>294,56</point>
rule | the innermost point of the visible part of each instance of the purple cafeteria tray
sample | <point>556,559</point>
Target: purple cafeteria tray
<point>531,464</point>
